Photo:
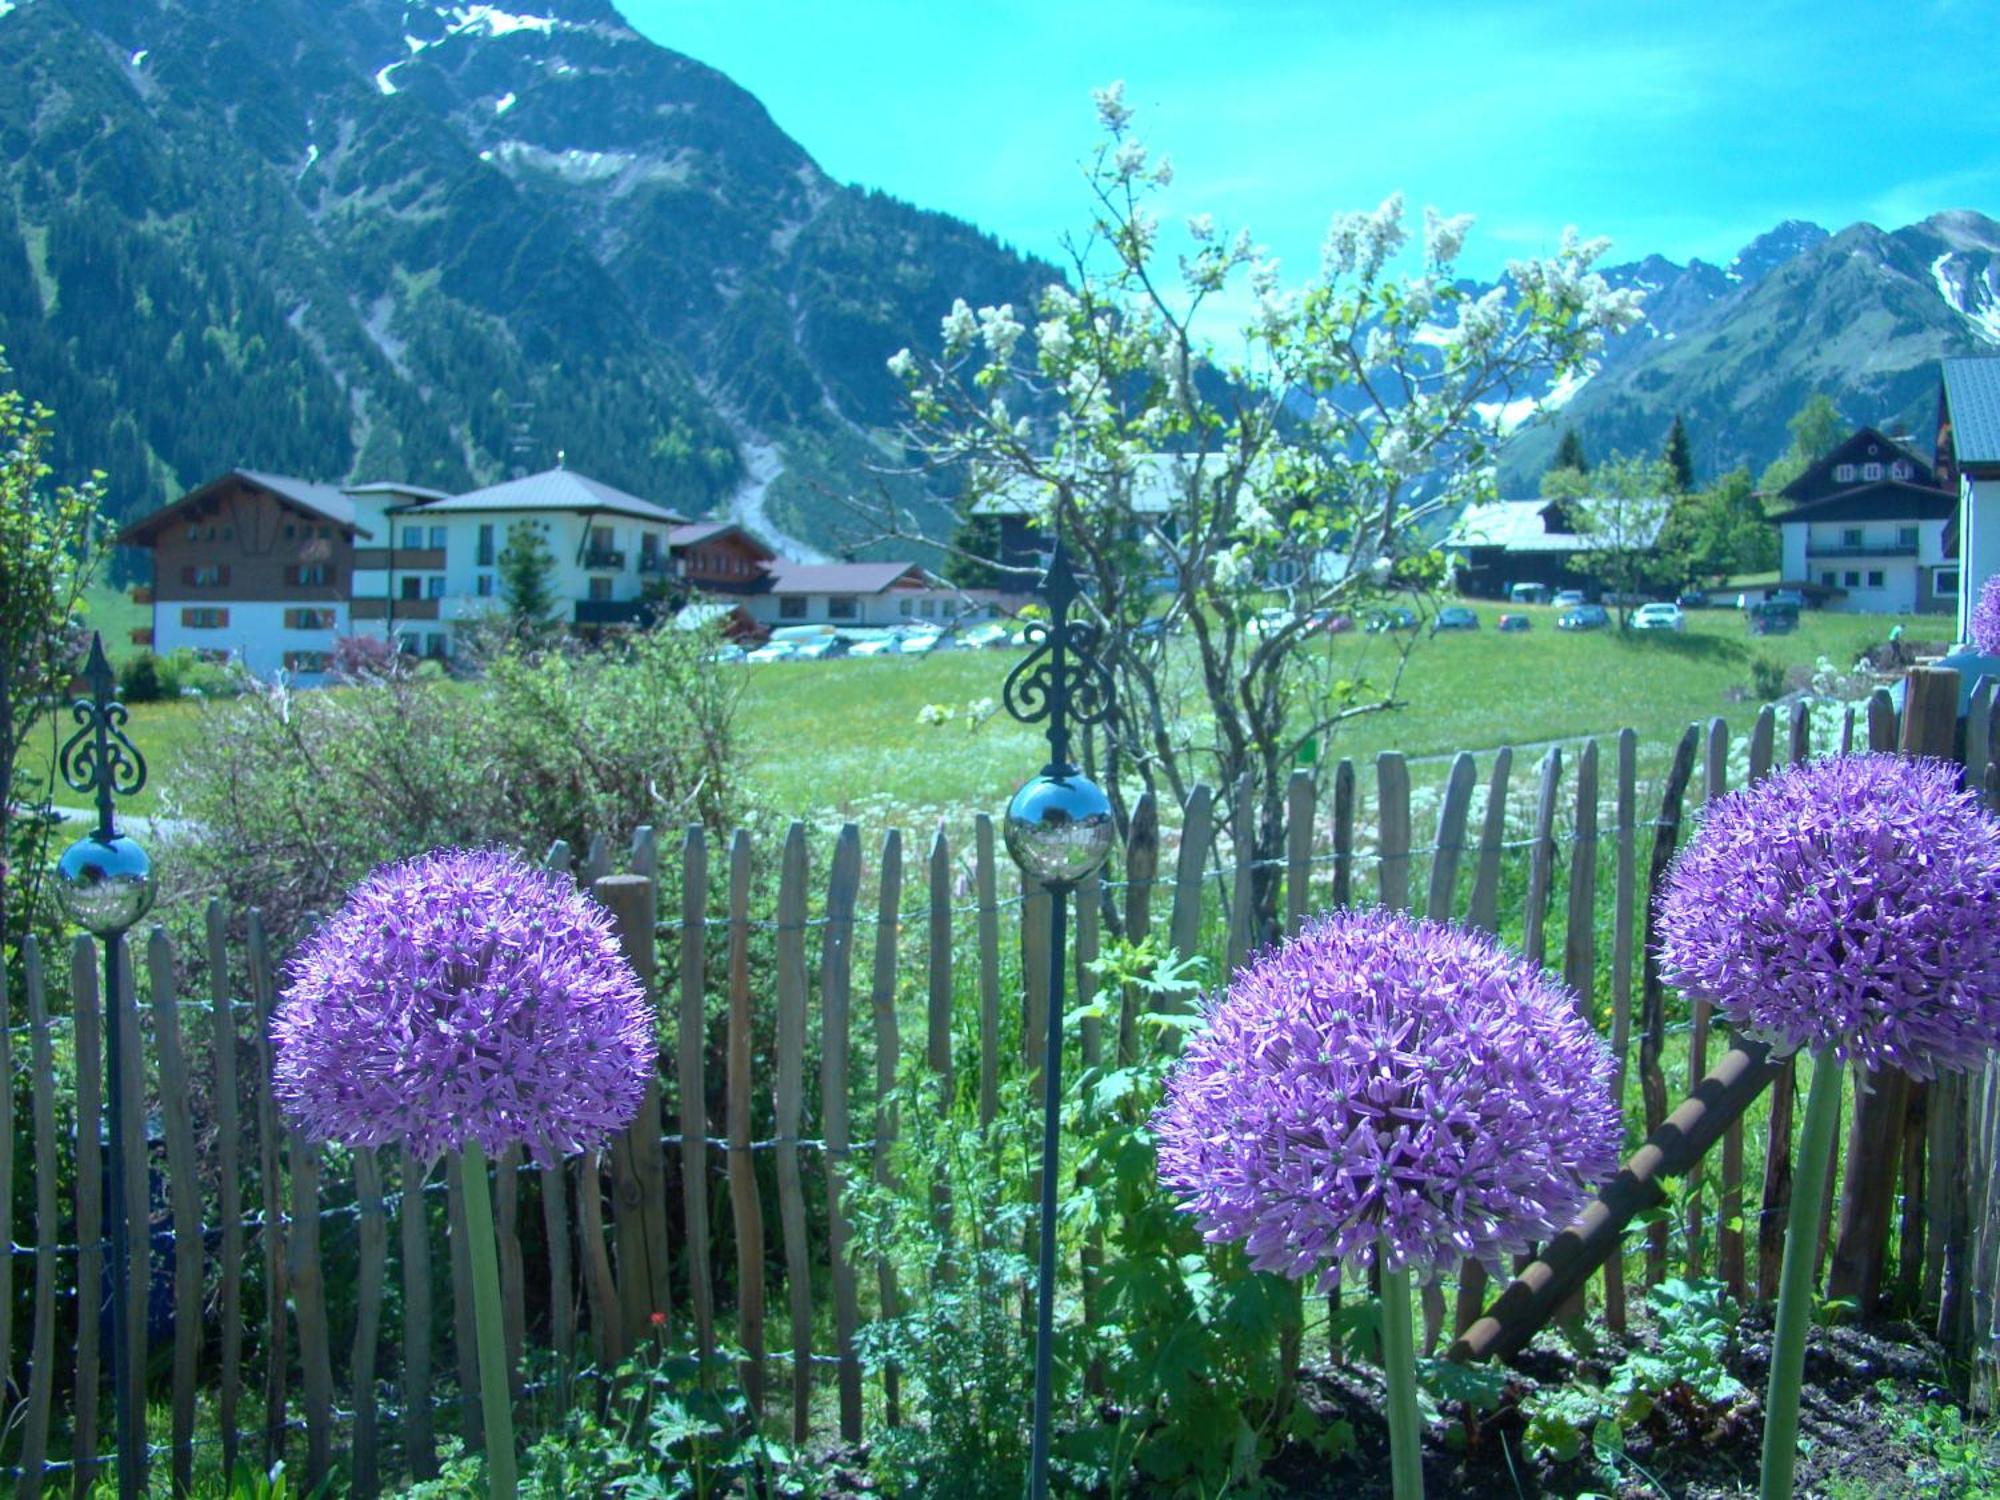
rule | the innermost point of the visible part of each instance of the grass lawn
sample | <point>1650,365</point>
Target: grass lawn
<point>842,739</point>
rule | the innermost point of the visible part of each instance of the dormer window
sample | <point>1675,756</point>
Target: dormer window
<point>1871,471</point>
<point>1844,473</point>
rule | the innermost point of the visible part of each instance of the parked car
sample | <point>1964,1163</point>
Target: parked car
<point>1330,621</point>
<point>1772,617</point>
<point>1792,597</point>
<point>1583,617</point>
<point>1567,598</point>
<point>1693,599</point>
<point>990,633</point>
<point>1391,619</point>
<point>1660,616</point>
<point>917,645</point>
<point>772,651</point>
<point>1454,617</point>
<point>728,651</point>
<point>876,645</point>
<point>1512,623</point>
<point>1528,593</point>
<point>819,650</point>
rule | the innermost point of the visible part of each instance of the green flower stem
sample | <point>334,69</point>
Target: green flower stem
<point>1795,1281</point>
<point>1399,1371</point>
<point>495,1393</point>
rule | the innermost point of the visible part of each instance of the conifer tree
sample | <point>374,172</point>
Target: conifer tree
<point>527,572</point>
<point>1569,453</point>
<point>1679,457</point>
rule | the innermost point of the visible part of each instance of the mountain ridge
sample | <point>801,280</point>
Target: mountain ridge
<point>441,242</point>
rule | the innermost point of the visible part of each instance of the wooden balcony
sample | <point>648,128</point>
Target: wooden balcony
<point>142,635</point>
<point>404,609</point>
<point>142,593</point>
<point>400,559</point>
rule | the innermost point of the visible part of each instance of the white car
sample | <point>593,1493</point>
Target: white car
<point>917,645</point>
<point>1660,616</point>
<point>876,645</point>
<point>1567,598</point>
<point>772,651</point>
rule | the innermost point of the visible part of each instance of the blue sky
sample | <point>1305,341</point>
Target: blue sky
<point>1684,129</point>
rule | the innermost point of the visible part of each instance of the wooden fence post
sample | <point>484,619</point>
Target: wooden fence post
<point>42,1338</point>
<point>888,1060</point>
<point>745,1211</point>
<point>1392,830</point>
<point>1875,1134</point>
<point>691,1082</point>
<point>229,1185</point>
<point>986,896</point>
<point>843,889</point>
<point>1621,979</point>
<point>791,947</point>
<point>638,1158</point>
<point>1652,993</point>
<point>184,1189</point>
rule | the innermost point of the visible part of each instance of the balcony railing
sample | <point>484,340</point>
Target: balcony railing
<point>405,609</point>
<point>613,611</point>
<point>604,559</point>
<point>402,559</point>
<point>652,562</point>
<point>1866,549</point>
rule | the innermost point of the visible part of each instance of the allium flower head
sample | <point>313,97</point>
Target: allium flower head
<point>464,995</point>
<point>1984,626</point>
<point>1851,903</point>
<point>1384,1079</point>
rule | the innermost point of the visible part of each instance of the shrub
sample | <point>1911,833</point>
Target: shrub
<point>139,679</point>
<point>1767,677</point>
<point>294,795</point>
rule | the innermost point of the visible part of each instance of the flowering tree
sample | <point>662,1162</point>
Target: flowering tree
<point>1243,500</point>
<point>50,547</point>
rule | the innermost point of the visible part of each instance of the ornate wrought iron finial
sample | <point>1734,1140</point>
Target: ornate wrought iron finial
<point>1061,680</point>
<point>99,760</point>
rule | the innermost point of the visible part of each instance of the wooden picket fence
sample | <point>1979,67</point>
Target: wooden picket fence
<point>250,1223</point>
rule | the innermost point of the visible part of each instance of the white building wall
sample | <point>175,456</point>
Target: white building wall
<point>1792,550</point>
<point>1978,543</point>
<point>256,634</point>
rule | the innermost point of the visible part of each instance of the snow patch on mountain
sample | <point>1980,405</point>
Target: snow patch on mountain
<point>1508,415</point>
<point>6,7</point>
<point>1984,312</point>
<point>504,103</point>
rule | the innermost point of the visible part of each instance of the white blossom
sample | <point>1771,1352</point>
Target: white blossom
<point>1360,244</point>
<point>1057,300</point>
<point>1163,174</point>
<point>1053,338</point>
<point>1230,569</point>
<point>1112,112</point>
<point>934,713</point>
<point>959,328</point>
<point>999,328</point>
<point>903,365</point>
<point>1129,160</point>
<point>1201,227</point>
<point>1444,238</point>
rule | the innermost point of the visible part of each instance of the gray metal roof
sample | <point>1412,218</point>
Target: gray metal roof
<point>1972,395</point>
<point>1522,526</point>
<point>553,490</point>
<point>325,499</point>
<point>841,578</point>
<point>394,487</point>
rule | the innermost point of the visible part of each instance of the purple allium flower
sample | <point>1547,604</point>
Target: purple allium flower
<point>1381,1078</point>
<point>464,995</point>
<point>1984,627</point>
<point>1850,903</point>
